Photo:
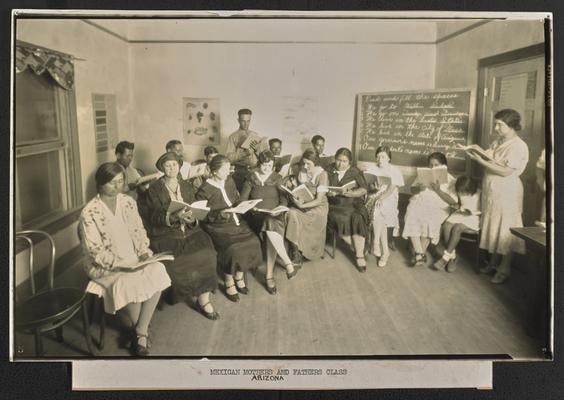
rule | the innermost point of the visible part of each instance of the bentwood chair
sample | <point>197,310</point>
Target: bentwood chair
<point>52,307</point>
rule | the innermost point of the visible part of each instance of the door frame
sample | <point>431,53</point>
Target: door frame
<point>521,54</point>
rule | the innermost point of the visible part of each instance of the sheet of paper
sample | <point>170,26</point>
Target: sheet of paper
<point>279,374</point>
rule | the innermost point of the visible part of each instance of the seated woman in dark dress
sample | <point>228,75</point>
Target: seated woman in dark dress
<point>237,246</point>
<point>263,183</point>
<point>193,270</point>
<point>347,213</point>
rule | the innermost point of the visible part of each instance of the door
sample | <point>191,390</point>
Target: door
<point>518,85</point>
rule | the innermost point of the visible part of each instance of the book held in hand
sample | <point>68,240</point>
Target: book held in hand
<point>199,209</point>
<point>274,211</point>
<point>197,170</point>
<point>252,140</point>
<point>301,193</point>
<point>377,180</point>
<point>473,148</point>
<point>139,265</point>
<point>283,165</point>
<point>341,189</point>
<point>243,206</point>
<point>149,178</point>
<point>427,176</point>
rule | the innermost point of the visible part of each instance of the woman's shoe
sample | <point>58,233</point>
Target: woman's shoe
<point>383,261</point>
<point>139,349</point>
<point>488,269</point>
<point>361,264</point>
<point>418,259</point>
<point>271,289</point>
<point>451,265</point>
<point>241,289</point>
<point>440,264</point>
<point>209,315</point>
<point>233,297</point>
<point>499,277</point>
<point>290,275</point>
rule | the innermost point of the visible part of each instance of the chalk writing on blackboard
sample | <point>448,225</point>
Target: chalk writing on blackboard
<point>413,125</point>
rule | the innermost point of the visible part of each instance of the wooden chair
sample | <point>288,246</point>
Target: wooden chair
<point>95,302</point>
<point>50,308</point>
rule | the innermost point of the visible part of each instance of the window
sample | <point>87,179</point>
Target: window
<point>47,172</point>
<point>105,121</point>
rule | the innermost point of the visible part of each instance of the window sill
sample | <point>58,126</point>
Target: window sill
<point>52,226</point>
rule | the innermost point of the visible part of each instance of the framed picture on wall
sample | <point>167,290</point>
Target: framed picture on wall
<point>200,121</point>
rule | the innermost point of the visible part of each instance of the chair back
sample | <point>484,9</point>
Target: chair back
<point>28,237</point>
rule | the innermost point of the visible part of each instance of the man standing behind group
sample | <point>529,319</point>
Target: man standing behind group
<point>124,156</point>
<point>318,145</point>
<point>176,147</point>
<point>242,159</point>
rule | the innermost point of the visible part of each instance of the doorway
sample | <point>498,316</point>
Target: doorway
<point>516,80</point>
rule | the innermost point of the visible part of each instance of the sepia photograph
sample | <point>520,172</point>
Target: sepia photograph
<point>281,185</point>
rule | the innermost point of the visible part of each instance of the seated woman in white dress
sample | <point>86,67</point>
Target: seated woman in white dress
<point>466,219</point>
<point>427,210</point>
<point>113,239</point>
<point>382,202</point>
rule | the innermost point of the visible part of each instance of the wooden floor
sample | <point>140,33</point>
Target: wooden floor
<point>331,309</point>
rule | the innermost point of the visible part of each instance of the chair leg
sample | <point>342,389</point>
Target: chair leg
<point>38,344</point>
<point>86,326</point>
<point>102,324</point>
<point>59,333</point>
<point>333,242</point>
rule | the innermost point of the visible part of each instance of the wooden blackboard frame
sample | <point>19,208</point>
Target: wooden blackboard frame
<point>410,170</point>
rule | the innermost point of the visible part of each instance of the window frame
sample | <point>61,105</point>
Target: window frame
<point>67,146</point>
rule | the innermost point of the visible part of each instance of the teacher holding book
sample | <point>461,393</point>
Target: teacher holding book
<point>113,238</point>
<point>502,192</point>
<point>193,269</point>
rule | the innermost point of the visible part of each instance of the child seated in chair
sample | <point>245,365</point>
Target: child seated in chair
<point>466,219</point>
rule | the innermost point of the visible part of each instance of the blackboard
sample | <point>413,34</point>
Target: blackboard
<point>413,124</point>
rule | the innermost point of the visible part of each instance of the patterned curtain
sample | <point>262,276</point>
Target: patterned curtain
<point>39,60</point>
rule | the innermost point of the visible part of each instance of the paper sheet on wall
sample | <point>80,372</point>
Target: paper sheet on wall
<point>513,92</point>
<point>200,118</point>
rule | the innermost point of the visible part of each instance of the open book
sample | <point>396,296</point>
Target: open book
<point>243,206</point>
<point>252,139</point>
<point>166,256</point>
<point>149,178</point>
<point>197,170</point>
<point>274,211</point>
<point>301,193</point>
<point>476,150</point>
<point>426,176</point>
<point>199,209</point>
<point>377,180</point>
<point>341,189</point>
<point>283,164</point>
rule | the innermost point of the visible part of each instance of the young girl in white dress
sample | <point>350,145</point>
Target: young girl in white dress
<point>427,210</point>
<point>382,203</point>
<point>466,219</point>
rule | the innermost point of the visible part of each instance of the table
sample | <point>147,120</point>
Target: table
<point>538,304</point>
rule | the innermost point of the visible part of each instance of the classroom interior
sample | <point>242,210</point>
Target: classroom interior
<point>142,70</point>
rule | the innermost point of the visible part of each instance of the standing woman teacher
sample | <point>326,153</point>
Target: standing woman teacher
<point>502,192</point>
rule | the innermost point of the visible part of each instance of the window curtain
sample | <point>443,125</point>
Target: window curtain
<point>39,60</point>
